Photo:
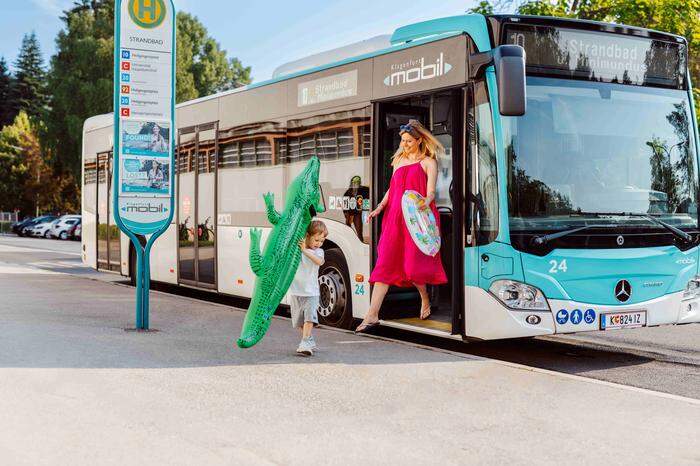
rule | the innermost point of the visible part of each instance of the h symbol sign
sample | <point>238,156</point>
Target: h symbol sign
<point>147,6</point>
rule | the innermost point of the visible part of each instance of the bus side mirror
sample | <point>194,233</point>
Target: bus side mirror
<point>509,62</point>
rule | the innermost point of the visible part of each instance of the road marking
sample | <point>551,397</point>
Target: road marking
<point>9,248</point>
<point>15,269</point>
<point>58,265</point>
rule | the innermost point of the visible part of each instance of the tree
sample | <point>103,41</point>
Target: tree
<point>81,76</point>
<point>27,182</point>
<point>7,112</point>
<point>29,89</point>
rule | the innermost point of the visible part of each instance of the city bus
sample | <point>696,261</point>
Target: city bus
<point>568,196</point>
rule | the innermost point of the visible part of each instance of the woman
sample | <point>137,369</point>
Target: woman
<point>155,175</point>
<point>399,261</point>
<point>157,143</point>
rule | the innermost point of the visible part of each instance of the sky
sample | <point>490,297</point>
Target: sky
<point>262,34</point>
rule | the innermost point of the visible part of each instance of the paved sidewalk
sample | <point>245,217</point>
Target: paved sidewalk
<point>78,389</point>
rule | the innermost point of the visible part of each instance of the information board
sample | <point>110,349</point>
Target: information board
<point>144,124</point>
<point>144,96</point>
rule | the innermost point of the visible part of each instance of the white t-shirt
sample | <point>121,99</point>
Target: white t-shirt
<point>305,282</point>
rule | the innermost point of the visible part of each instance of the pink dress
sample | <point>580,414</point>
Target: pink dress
<point>399,261</point>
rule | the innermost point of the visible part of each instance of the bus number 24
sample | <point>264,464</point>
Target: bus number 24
<point>557,266</point>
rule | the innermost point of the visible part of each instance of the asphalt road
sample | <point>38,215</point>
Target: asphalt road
<point>77,389</point>
<point>665,359</point>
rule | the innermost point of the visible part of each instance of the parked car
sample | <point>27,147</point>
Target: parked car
<point>43,229</point>
<point>77,231</point>
<point>59,228</point>
<point>25,230</point>
<point>19,224</point>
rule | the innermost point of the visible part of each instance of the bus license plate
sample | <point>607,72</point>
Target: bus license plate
<point>623,320</point>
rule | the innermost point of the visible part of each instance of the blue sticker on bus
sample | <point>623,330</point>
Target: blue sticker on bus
<point>562,316</point>
<point>589,316</point>
<point>576,316</point>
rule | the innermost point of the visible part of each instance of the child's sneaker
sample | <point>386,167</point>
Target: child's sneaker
<point>314,346</point>
<point>305,347</point>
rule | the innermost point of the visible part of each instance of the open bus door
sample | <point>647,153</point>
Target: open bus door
<point>441,112</point>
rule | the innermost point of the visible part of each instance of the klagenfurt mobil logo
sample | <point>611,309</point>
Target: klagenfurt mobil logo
<point>417,70</point>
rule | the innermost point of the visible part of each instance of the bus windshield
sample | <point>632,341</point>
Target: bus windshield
<point>588,150</point>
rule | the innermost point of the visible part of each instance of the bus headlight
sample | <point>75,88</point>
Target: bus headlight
<point>692,288</point>
<point>520,296</point>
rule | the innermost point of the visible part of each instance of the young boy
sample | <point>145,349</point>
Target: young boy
<point>304,292</point>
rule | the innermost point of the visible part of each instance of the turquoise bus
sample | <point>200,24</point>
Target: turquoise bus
<point>568,191</point>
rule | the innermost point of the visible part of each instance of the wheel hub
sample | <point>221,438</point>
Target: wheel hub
<point>332,291</point>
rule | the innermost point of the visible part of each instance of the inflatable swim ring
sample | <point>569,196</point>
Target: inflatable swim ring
<point>420,222</point>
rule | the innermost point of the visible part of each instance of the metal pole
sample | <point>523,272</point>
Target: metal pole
<point>139,282</point>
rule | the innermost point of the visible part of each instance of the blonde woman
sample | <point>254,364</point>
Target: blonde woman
<point>399,261</point>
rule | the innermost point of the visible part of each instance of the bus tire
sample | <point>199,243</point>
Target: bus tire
<point>335,306</point>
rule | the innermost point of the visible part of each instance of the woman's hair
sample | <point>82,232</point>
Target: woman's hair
<point>316,227</point>
<point>428,145</point>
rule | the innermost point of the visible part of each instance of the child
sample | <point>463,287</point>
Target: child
<point>304,292</point>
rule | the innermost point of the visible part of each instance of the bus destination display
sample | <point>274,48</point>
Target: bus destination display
<point>600,56</point>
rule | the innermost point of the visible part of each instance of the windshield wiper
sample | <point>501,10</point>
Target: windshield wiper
<point>544,239</point>
<point>677,232</point>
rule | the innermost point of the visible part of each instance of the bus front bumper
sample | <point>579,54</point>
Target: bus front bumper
<point>571,316</point>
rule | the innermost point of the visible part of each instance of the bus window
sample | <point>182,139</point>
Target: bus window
<point>486,169</point>
<point>341,140</point>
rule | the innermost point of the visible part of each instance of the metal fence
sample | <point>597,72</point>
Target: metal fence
<point>6,219</point>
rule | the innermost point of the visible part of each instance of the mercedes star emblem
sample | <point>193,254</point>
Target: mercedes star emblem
<point>620,240</point>
<point>623,291</point>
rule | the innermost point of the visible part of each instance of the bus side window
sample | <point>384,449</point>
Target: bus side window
<point>486,167</point>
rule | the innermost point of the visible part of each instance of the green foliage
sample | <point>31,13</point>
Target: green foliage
<point>7,112</point>
<point>80,79</point>
<point>27,182</point>
<point>484,7</point>
<point>81,75</point>
<point>29,87</point>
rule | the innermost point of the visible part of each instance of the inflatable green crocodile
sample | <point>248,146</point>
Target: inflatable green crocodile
<point>276,267</point>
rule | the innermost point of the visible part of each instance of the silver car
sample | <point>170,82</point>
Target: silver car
<point>62,226</point>
<point>42,228</point>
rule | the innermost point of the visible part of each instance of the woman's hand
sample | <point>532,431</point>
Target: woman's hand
<point>375,213</point>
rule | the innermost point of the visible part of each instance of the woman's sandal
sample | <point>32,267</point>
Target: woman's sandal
<point>362,328</point>
<point>423,314</point>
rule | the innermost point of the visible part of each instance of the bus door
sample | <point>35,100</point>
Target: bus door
<point>197,165</point>
<point>108,245</point>
<point>442,113</point>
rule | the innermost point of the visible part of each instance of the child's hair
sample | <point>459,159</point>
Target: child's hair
<point>428,144</point>
<point>316,227</point>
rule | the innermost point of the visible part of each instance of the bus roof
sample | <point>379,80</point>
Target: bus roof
<point>408,36</point>
<point>404,37</point>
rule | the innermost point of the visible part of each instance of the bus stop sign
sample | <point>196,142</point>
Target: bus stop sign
<point>144,126</point>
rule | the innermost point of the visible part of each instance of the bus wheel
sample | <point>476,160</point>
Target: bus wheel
<point>335,308</point>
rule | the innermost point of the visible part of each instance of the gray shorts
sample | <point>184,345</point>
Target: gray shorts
<point>304,309</point>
